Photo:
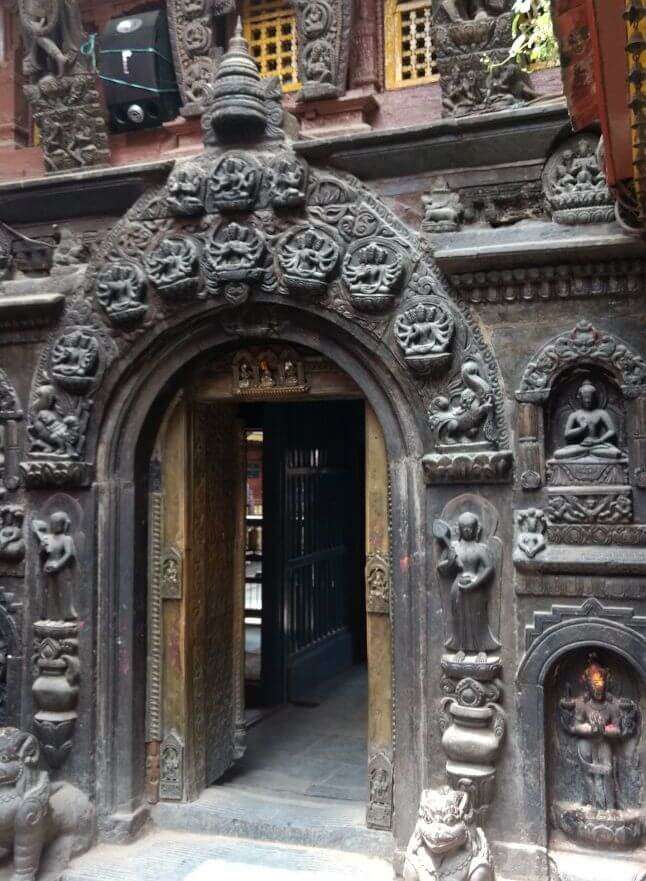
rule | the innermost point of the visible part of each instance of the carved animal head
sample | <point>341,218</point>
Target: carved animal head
<point>445,819</point>
<point>18,750</point>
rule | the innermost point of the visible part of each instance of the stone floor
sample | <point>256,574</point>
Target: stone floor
<point>163,856</point>
<point>317,751</point>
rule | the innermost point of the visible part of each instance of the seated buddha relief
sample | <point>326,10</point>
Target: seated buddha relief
<point>590,432</point>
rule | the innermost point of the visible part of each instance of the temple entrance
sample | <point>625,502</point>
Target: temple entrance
<point>269,617</point>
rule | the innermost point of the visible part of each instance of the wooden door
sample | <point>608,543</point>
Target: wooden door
<point>312,594</point>
<point>195,710</point>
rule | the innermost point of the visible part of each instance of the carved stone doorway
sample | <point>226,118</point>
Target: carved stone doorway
<point>199,532</point>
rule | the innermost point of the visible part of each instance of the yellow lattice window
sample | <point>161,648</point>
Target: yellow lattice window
<point>410,57</point>
<point>270,31</point>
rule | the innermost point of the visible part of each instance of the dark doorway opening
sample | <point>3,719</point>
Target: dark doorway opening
<point>306,690</point>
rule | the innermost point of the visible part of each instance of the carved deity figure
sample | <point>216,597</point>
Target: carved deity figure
<point>51,430</point>
<point>59,564</point>
<point>471,565</point>
<point>532,525</point>
<point>579,170</point>
<point>425,329</point>
<point>287,178</point>
<point>590,431</point>
<point>446,844</point>
<point>186,191</point>
<point>53,33</point>
<point>12,540</point>
<point>233,184</point>
<point>70,250</point>
<point>75,355</point>
<point>470,10</point>
<point>443,211</point>
<point>600,722</point>
<point>266,376</point>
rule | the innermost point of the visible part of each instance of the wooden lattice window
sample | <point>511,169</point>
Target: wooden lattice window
<point>410,56</point>
<point>270,31</point>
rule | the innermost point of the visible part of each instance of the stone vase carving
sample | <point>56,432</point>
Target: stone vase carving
<point>56,688</point>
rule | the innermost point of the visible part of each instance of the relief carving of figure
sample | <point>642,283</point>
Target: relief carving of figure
<point>287,178</point>
<point>59,566</point>
<point>74,360</point>
<point>443,211</point>
<point>372,273</point>
<point>446,844</point>
<point>120,289</point>
<point>173,267</point>
<point>232,185</point>
<point>460,419</point>
<point>590,431</point>
<point>53,33</point>
<point>307,257</point>
<point>12,539</point>
<point>42,824</point>
<point>186,191</point>
<point>424,333</point>
<point>52,430</point>
<point>470,563</point>
<point>600,722</point>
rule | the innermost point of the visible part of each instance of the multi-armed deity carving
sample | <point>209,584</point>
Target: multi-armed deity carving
<point>233,184</point>
<point>287,179</point>
<point>56,685</point>
<point>473,724</point>
<point>424,333</point>
<point>598,760</point>
<point>235,260</point>
<point>574,184</point>
<point>446,842</point>
<point>373,272</point>
<point>174,267</point>
<point>121,291</point>
<point>75,361</point>
<point>307,257</point>
<point>186,190</point>
<point>62,94</point>
<point>41,825</point>
<point>473,38</point>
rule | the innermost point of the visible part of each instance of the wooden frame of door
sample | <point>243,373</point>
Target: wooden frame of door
<point>183,713</point>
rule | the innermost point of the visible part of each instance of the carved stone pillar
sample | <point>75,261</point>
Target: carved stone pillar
<point>470,39</point>
<point>56,687</point>
<point>530,446</point>
<point>364,48</point>
<point>63,96</point>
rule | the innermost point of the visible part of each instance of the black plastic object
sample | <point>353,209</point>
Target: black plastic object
<point>136,66</point>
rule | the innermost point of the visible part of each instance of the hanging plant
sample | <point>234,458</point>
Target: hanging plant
<point>534,40</point>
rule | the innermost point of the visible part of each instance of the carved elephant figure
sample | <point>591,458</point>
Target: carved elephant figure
<point>42,824</point>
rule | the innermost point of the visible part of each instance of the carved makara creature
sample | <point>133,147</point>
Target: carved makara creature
<point>599,721</point>
<point>59,566</point>
<point>42,824</point>
<point>590,431</point>
<point>74,361</point>
<point>424,333</point>
<point>53,34</point>
<point>120,290</point>
<point>461,419</point>
<point>173,267</point>
<point>471,565</point>
<point>446,843</point>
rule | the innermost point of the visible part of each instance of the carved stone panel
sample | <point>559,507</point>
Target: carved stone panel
<point>171,768</point>
<point>574,185</point>
<point>324,33</point>
<point>379,814</point>
<point>378,585</point>
<point>171,575</point>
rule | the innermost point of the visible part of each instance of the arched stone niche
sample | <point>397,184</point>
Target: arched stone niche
<point>560,644</point>
<point>550,384</point>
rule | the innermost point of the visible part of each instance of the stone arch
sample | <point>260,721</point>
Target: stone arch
<point>566,628</point>
<point>583,345</point>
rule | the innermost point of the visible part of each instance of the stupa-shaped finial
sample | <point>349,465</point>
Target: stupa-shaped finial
<point>238,110</point>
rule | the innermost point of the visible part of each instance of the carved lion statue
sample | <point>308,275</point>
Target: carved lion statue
<point>42,824</point>
<point>446,843</point>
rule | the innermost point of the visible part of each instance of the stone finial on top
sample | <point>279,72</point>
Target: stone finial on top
<point>237,111</point>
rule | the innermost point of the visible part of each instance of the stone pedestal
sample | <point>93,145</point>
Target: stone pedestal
<point>69,116</point>
<point>55,689</point>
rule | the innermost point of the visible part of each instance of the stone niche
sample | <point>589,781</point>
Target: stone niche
<point>581,433</point>
<point>594,735</point>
